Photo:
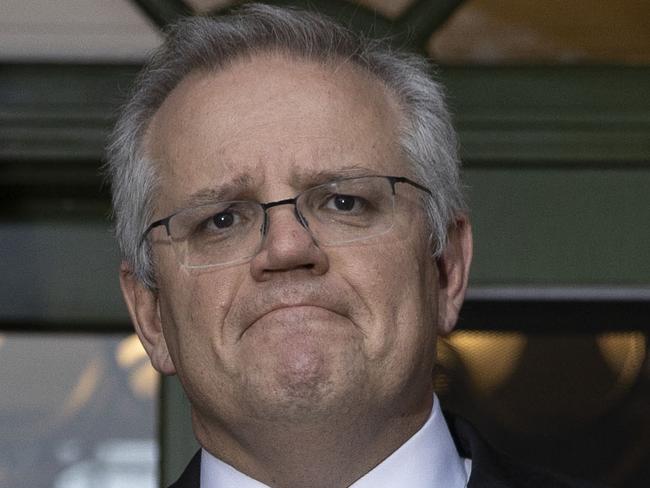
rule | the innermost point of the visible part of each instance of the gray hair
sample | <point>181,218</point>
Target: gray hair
<point>208,44</point>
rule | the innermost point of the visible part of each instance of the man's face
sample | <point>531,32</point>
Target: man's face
<point>300,330</point>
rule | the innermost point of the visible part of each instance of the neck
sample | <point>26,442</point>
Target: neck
<point>332,452</point>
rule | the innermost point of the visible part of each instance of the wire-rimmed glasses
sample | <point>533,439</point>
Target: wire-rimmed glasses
<point>339,212</point>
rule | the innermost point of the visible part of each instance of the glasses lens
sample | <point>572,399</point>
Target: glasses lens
<point>348,210</point>
<point>216,234</point>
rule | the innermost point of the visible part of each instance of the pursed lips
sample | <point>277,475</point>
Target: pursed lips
<point>297,307</point>
<point>306,307</point>
<point>330,297</point>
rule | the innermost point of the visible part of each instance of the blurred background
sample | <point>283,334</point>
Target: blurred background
<point>552,103</point>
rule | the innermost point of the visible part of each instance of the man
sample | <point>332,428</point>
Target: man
<point>288,206</point>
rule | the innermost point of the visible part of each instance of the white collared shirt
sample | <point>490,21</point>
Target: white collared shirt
<point>429,459</point>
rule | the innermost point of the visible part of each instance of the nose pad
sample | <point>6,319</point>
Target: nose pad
<point>264,228</point>
<point>265,225</point>
<point>301,218</point>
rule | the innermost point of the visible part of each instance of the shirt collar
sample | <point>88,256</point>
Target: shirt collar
<point>428,459</point>
<point>217,474</point>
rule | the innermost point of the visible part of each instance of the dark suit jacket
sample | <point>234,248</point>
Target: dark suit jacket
<point>490,469</point>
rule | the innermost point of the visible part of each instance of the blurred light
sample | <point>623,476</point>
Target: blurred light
<point>624,354</point>
<point>2,340</point>
<point>85,387</point>
<point>131,356</point>
<point>530,31</point>
<point>388,8</point>
<point>143,381</point>
<point>118,463</point>
<point>544,383</point>
<point>205,6</point>
<point>69,451</point>
<point>129,352</point>
<point>68,397</point>
<point>489,358</point>
<point>127,451</point>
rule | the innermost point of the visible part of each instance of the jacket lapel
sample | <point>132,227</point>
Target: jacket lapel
<point>192,474</point>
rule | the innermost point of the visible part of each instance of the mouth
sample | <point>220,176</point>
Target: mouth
<point>295,316</point>
<point>302,304</point>
<point>301,309</point>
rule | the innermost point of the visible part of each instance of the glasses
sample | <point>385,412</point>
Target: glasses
<point>339,212</point>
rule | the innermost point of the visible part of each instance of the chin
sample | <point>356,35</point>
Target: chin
<point>307,384</point>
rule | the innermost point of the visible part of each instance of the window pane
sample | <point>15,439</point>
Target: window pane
<point>572,402</point>
<point>76,411</point>
<point>388,8</point>
<point>548,32</point>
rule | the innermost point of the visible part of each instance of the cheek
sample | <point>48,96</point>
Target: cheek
<point>194,307</point>
<point>396,282</point>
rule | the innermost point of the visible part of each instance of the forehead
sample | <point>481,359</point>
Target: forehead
<point>271,123</point>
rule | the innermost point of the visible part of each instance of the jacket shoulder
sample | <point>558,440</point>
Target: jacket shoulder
<point>493,469</point>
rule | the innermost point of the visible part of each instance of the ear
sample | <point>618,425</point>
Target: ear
<point>453,273</point>
<point>145,315</point>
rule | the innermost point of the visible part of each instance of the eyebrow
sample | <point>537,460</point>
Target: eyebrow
<point>240,185</point>
<point>306,179</point>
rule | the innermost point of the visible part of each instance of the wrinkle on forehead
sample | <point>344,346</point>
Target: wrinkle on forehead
<point>335,88</point>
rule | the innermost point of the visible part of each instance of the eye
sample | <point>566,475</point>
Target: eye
<point>345,203</point>
<point>223,220</point>
<point>222,223</point>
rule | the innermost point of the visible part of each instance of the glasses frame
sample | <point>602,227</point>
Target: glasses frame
<point>393,180</point>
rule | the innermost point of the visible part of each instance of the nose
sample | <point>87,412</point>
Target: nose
<point>287,246</point>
